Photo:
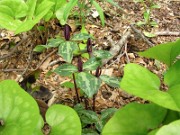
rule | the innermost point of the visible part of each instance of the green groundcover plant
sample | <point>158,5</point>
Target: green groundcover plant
<point>162,115</point>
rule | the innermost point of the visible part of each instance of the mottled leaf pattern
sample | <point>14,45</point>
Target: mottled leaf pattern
<point>103,54</point>
<point>54,42</point>
<point>91,64</point>
<point>111,81</point>
<point>66,50</point>
<point>81,36</point>
<point>66,69</point>
<point>88,83</point>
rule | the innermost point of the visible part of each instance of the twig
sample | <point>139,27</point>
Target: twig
<point>115,49</point>
<point>125,51</point>
<point>141,35</point>
<point>14,48</point>
<point>45,59</point>
<point>13,69</point>
<point>167,33</point>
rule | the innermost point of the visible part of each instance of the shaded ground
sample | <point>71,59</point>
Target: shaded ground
<point>24,62</point>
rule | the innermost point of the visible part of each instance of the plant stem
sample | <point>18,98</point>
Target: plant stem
<point>76,89</point>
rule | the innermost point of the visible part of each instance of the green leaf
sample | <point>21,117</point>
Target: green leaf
<point>6,10</point>
<point>111,81</point>
<point>68,84</point>
<point>54,42</point>
<point>66,50</point>
<point>91,64</point>
<point>102,54</point>
<point>88,83</point>
<point>171,77</point>
<point>140,23</point>
<point>81,36</point>
<point>71,4</point>
<point>60,13</point>
<point>18,110</point>
<point>25,26</point>
<point>31,8</point>
<point>135,119</point>
<point>141,82</point>
<point>170,129</point>
<point>63,120</point>
<point>100,11</point>
<point>147,16</point>
<point>148,34</point>
<point>171,116</point>
<point>155,6</point>
<point>39,48</point>
<point>18,7</point>
<point>166,53</point>
<point>66,69</point>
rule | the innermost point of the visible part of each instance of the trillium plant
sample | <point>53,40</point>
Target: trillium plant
<point>86,75</point>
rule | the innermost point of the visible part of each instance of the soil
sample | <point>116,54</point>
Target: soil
<point>23,61</point>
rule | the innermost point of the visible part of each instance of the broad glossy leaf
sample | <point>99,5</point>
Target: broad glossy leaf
<point>6,10</point>
<point>102,54</point>
<point>81,36</point>
<point>172,75</point>
<point>31,8</point>
<point>166,53</point>
<point>88,83</point>
<point>18,7</point>
<point>66,50</point>
<point>100,11</point>
<point>66,69</point>
<point>8,22</point>
<point>141,82</point>
<point>60,13</point>
<point>17,109</point>
<point>174,92</point>
<point>91,64</point>
<point>63,120</point>
<point>71,4</point>
<point>25,26</point>
<point>135,119</point>
<point>170,129</point>
<point>111,81</point>
<point>171,116</point>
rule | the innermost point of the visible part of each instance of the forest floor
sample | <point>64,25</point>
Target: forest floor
<point>17,58</point>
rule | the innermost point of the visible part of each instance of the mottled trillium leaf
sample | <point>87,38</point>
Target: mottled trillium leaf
<point>63,120</point>
<point>18,110</point>
<point>66,69</point>
<point>54,42</point>
<point>166,53</point>
<point>170,129</point>
<point>81,36</point>
<point>88,83</point>
<point>39,48</point>
<point>102,54</point>
<point>111,81</point>
<point>172,75</point>
<point>66,50</point>
<point>135,119</point>
<point>91,64</point>
<point>141,82</point>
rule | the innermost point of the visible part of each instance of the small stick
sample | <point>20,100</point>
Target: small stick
<point>167,33</point>
<point>141,35</point>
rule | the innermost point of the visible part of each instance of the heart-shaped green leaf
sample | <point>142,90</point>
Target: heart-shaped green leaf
<point>102,54</point>
<point>170,129</point>
<point>111,81</point>
<point>91,64</point>
<point>63,120</point>
<point>18,110</point>
<point>88,83</point>
<point>66,69</point>
<point>172,75</point>
<point>135,119</point>
<point>66,50</point>
<point>54,42</point>
<point>18,7</point>
<point>141,82</point>
<point>166,53</point>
